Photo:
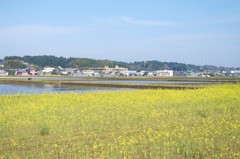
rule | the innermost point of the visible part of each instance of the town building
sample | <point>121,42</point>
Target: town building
<point>31,71</point>
<point>235,73</point>
<point>107,69</point>
<point>48,70</point>
<point>3,73</point>
<point>21,73</point>
<point>88,72</point>
<point>69,71</point>
<point>164,73</point>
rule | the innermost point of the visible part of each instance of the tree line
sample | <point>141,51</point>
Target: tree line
<point>85,63</point>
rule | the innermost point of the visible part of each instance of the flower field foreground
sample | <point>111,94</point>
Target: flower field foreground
<point>202,123</point>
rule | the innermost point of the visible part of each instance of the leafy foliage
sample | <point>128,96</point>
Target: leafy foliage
<point>84,63</point>
<point>11,64</point>
<point>44,130</point>
<point>43,61</point>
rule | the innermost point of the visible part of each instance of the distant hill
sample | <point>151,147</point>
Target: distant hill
<point>85,63</point>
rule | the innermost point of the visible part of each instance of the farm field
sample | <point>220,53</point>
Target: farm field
<point>203,123</point>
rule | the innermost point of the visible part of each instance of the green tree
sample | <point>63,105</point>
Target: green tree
<point>14,64</point>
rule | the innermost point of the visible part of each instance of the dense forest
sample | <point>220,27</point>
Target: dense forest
<point>85,63</point>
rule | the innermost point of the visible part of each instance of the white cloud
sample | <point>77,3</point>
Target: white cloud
<point>228,20</point>
<point>184,37</point>
<point>37,30</point>
<point>147,22</point>
<point>216,21</point>
<point>130,21</point>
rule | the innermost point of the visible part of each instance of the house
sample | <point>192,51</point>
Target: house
<point>88,72</point>
<point>31,71</point>
<point>204,75</point>
<point>126,73</point>
<point>107,69</point>
<point>48,70</point>
<point>120,69</point>
<point>235,73</point>
<point>3,73</point>
<point>21,73</point>
<point>143,73</point>
<point>192,74</point>
<point>164,73</point>
<point>69,71</point>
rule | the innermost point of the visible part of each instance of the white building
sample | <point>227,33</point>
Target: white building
<point>164,73</point>
<point>48,70</point>
<point>119,69</point>
<point>107,69</point>
<point>3,73</point>
<point>235,72</point>
<point>88,72</point>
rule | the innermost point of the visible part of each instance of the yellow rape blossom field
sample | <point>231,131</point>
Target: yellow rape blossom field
<point>139,124</point>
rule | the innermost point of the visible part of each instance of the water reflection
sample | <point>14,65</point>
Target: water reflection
<point>48,88</point>
<point>114,81</point>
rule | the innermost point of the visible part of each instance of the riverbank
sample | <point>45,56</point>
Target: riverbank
<point>123,82</point>
<point>109,82</point>
<point>140,78</point>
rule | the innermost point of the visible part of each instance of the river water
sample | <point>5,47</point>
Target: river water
<point>47,88</point>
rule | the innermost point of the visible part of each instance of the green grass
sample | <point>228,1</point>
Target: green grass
<point>202,123</point>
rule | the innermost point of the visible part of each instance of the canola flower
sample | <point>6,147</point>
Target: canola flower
<point>202,123</point>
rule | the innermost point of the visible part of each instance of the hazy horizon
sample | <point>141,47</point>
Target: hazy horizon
<point>192,32</point>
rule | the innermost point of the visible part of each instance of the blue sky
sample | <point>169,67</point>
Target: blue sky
<point>190,31</point>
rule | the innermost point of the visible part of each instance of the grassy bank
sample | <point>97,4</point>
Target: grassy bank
<point>105,84</point>
<point>201,123</point>
<point>174,78</point>
<point>141,78</point>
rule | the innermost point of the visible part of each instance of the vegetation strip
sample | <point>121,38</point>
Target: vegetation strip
<point>138,86</point>
<point>99,84</point>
